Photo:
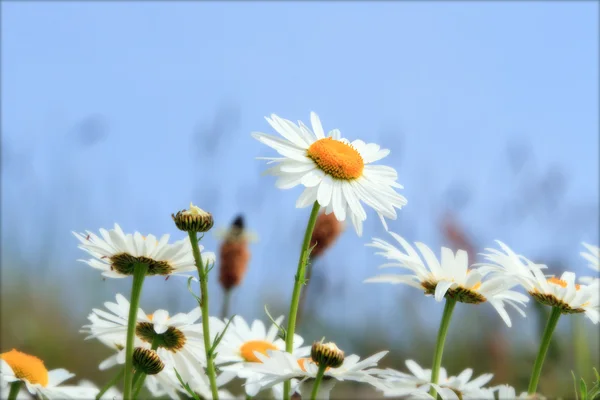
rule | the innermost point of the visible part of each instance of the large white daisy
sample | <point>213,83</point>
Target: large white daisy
<point>241,343</point>
<point>561,292</point>
<point>593,257</point>
<point>451,276</point>
<point>335,172</point>
<point>17,366</point>
<point>278,366</point>
<point>116,253</point>
<point>179,338</point>
<point>418,382</point>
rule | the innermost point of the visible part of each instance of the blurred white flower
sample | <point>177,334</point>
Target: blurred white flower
<point>335,172</point>
<point>593,257</point>
<point>451,276</point>
<point>17,366</point>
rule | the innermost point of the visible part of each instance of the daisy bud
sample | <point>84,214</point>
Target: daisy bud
<point>193,220</point>
<point>327,354</point>
<point>147,361</point>
<point>234,256</point>
<point>327,229</point>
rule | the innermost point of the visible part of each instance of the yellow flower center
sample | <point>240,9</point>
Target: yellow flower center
<point>302,361</point>
<point>335,158</point>
<point>476,286</point>
<point>26,367</point>
<point>261,346</point>
<point>561,283</point>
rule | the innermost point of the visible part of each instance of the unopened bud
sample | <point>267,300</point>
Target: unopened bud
<point>193,220</point>
<point>327,229</point>
<point>327,354</point>
<point>147,361</point>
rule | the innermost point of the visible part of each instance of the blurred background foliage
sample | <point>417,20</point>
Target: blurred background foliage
<point>85,171</point>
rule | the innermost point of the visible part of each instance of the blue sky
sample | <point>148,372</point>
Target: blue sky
<point>445,86</point>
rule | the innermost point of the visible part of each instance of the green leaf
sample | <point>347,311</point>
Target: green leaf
<point>186,386</point>
<point>283,332</point>
<point>189,285</point>
<point>575,385</point>
<point>218,338</point>
<point>583,389</point>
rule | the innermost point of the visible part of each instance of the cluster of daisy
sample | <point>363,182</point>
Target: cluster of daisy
<point>195,354</point>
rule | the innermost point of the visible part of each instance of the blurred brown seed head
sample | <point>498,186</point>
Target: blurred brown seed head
<point>234,255</point>
<point>327,229</point>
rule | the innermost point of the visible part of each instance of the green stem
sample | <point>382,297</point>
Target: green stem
<point>139,273</point>
<point>317,383</point>
<point>115,379</point>
<point>14,390</point>
<point>539,361</point>
<point>140,377</point>
<point>441,339</point>
<point>299,281</point>
<point>203,275</point>
<point>226,299</point>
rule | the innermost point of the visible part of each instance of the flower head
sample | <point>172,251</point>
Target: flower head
<point>234,255</point>
<point>563,292</point>
<point>17,366</point>
<point>418,382</point>
<point>193,220</point>
<point>327,230</point>
<point>117,253</point>
<point>242,344</point>
<point>327,354</point>
<point>334,171</point>
<point>147,361</point>
<point>278,366</point>
<point>451,276</point>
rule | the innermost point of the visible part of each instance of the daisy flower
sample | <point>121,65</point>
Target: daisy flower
<point>116,253</point>
<point>451,276</point>
<point>418,382</point>
<point>506,392</point>
<point>593,257</point>
<point>242,343</point>
<point>179,338</point>
<point>563,292</point>
<point>111,394</point>
<point>278,366</point>
<point>334,171</point>
<point>20,367</point>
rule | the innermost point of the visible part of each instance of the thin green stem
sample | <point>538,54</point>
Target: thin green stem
<point>14,390</point>
<point>546,338</point>
<point>203,275</point>
<point>299,282</point>
<point>226,300</point>
<point>139,273</point>
<point>317,383</point>
<point>441,339</point>
<point>114,380</point>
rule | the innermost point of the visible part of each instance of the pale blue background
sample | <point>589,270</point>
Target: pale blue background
<point>110,113</point>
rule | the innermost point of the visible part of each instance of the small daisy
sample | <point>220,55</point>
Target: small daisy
<point>180,340</point>
<point>593,257</point>
<point>16,366</point>
<point>279,366</point>
<point>418,382</point>
<point>116,253</point>
<point>243,342</point>
<point>335,172</point>
<point>449,277</point>
<point>563,292</point>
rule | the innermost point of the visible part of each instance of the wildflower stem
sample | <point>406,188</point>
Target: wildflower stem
<point>203,275</point>
<point>441,339</point>
<point>115,379</point>
<point>539,361</point>
<point>304,254</point>
<point>317,383</point>
<point>139,273</point>
<point>14,390</point>
<point>226,299</point>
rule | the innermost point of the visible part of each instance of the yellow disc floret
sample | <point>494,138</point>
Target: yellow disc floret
<point>26,367</point>
<point>335,158</point>
<point>247,349</point>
